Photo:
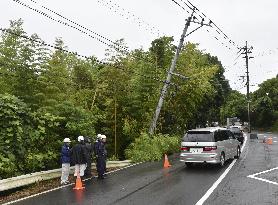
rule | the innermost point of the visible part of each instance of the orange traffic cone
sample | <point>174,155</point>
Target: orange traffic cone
<point>166,162</point>
<point>78,183</point>
<point>269,141</point>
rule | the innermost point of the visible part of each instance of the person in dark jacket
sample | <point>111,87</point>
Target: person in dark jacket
<point>80,157</point>
<point>101,155</point>
<point>96,142</point>
<point>89,147</point>
<point>65,159</point>
<point>95,147</point>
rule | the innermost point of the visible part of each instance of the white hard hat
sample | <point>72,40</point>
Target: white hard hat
<point>67,140</point>
<point>103,137</point>
<point>80,138</point>
<point>99,136</point>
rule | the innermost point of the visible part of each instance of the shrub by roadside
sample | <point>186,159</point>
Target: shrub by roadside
<point>152,148</point>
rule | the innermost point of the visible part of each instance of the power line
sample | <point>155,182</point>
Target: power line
<point>116,46</point>
<point>267,52</point>
<point>180,6</point>
<point>66,24</point>
<point>101,36</point>
<point>49,45</point>
<point>113,6</point>
<point>83,56</point>
<point>217,29</point>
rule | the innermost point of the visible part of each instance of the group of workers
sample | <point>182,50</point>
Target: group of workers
<point>80,155</point>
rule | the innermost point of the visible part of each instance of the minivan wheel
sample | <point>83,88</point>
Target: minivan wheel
<point>237,153</point>
<point>222,159</point>
<point>189,164</point>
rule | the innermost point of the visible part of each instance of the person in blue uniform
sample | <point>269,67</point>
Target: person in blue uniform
<point>65,159</point>
<point>101,155</point>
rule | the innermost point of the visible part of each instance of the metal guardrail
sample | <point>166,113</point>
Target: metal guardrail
<point>27,179</point>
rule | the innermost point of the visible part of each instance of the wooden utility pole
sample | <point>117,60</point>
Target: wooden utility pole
<point>245,52</point>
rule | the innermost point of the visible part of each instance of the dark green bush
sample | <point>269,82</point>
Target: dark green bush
<point>152,148</point>
<point>31,141</point>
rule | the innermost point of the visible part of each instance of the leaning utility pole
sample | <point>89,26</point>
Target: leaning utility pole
<point>247,51</point>
<point>167,82</point>
<point>169,75</point>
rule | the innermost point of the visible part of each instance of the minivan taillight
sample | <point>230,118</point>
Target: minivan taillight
<point>184,148</point>
<point>210,148</point>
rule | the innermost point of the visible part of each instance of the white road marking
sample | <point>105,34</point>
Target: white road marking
<point>214,186</point>
<point>60,187</point>
<point>253,176</point>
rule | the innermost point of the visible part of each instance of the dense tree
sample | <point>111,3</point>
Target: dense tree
<point>265,104</point>
<point>54,94</point>
<point>235,106</point>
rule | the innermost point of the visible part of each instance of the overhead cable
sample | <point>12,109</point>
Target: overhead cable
<point>82,56</point>
<point>98,38</point>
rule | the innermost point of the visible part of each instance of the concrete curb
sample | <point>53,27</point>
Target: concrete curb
<point>27,179</point>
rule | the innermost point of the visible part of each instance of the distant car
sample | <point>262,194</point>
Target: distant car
<point>209,145</point>
<point>238,133</point>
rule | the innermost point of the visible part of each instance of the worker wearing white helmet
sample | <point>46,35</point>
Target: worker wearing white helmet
<point>65,159</point>
<point>101,155</point>
<point>80,138</point>
<point>99,136</point>
<point>103,137</point>
<point>79,157</point>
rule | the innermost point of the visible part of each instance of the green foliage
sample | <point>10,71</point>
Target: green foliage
<point>58,95</point>
<point>265,105</point>
<point>26,141</point>
<point>152,148</point>
<point>235,106</point>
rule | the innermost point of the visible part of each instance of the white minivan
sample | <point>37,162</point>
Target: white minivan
<point>209,145</point>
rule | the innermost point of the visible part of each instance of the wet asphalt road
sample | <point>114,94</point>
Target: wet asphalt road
<point>146,183</point>
<point>149,183</point>
<point>238,189</point>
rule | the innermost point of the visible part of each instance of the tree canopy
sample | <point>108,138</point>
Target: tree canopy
<point>49,94</point>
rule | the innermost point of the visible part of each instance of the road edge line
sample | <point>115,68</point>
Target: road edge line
<point>218,181</point>
<point>60,187</point>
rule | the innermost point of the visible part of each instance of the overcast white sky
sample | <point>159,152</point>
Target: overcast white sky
<point>254,21</point>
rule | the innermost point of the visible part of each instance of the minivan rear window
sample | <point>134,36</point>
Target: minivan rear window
<point>198,136</point>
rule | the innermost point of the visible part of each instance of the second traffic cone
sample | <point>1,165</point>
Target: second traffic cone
<point>166,162</point>
<point>78,183</point>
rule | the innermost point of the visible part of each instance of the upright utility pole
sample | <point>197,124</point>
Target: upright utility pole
<point>169,75</point>
<point>247,51</point>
